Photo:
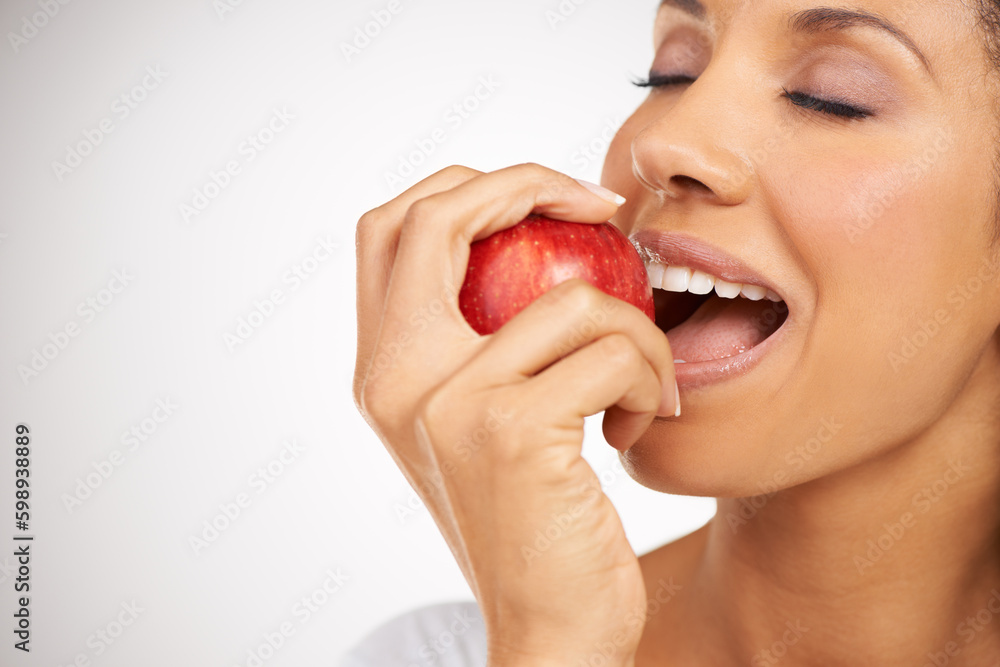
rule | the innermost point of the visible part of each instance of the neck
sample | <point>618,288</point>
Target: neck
<point>895,559</point>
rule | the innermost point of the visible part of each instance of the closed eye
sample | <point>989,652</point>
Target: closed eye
<point>829,107</point>
<point>664,80</point>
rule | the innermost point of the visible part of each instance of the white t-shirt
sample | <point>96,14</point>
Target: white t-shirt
<point>451,634</point>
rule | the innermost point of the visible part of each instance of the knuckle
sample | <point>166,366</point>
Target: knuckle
<point>648,393</point>
<point>364,233</point>
<point>619,350</point>
<point>533,168</point>
<point>419,214</point>
<point>369,397</point>
<point>549,192</point>
<point>457,173</point>
<point>549,184</point>
<point>645,403</point>
<point>575,295</point>
<point>364,399</point>
<point>357,393</point>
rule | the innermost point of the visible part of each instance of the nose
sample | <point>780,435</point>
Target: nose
<point>698,147</point>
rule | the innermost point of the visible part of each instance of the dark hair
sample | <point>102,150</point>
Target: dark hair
<point>989,25</point>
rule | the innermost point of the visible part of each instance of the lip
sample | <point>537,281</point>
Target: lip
<point>680,250</point>
<point>693,375</point>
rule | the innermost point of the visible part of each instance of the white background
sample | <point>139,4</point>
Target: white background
<point>107,534</point>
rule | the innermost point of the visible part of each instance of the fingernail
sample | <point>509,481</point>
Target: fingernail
<point>602,192</point>
<point>666,407</point>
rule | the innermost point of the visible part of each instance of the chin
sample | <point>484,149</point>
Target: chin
<point>668,460</point>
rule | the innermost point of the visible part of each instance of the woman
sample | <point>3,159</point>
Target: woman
<point>830,171</point>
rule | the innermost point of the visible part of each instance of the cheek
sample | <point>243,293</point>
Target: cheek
<point>845,207</point>
<point>890,239</point>
<point>889,228</point>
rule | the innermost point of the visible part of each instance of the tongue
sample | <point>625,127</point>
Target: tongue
<point>723,328</point>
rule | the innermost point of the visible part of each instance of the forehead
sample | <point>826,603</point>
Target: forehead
<point>947,31</point>
<point>912,12</point>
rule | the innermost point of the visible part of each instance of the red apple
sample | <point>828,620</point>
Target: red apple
<point>515,266</point>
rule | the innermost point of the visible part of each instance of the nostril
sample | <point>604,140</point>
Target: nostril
<point>688,183</point>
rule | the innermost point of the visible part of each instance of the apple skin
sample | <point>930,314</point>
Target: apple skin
<point>515,266</point>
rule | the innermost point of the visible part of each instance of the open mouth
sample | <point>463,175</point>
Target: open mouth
<point>709,319</point>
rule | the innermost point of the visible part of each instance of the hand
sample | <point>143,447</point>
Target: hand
<point>489,430</point>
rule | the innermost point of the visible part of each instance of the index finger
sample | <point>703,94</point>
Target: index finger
<point>376,240</point>
<point>434,243</point>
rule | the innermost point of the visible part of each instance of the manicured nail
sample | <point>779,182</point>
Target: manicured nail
<point>666,407</point>
<point>602,192</point>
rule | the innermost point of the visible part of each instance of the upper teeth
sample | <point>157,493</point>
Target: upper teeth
<point>683,279</point>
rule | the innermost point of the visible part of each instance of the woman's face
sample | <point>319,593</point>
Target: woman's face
<point>842,156</point>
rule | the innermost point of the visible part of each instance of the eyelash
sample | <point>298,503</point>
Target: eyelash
<point>829,107</point>
<point>825,106</point>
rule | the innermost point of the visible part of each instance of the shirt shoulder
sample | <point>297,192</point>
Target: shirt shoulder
<point>450,634</point>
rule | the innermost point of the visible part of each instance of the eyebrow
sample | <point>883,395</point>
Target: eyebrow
<point>821,19</point>
<point>692,7</point>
